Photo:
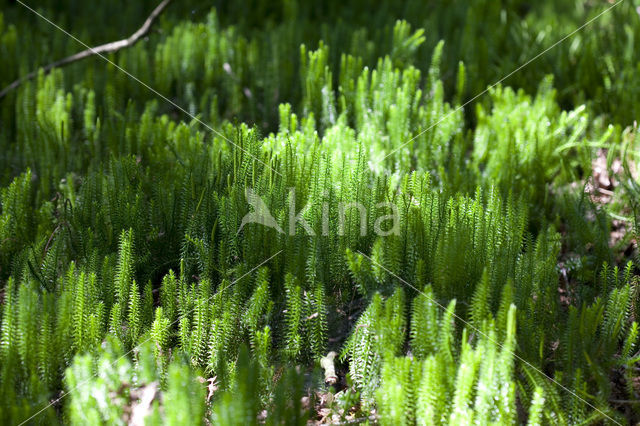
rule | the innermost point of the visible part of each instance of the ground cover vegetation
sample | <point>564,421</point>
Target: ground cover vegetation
<point>503,287</point>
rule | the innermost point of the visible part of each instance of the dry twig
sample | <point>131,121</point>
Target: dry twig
<point>114,46</point>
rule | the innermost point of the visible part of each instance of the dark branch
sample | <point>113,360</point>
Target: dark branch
<point>114,46</point>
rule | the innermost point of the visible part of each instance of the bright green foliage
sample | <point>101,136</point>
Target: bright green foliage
<point>525,154</point>
<point>458,258</point>
<point>17,219</point>
<point>316,321</point>
<point>160,333</point>
<point>293,317</point>
<point>424,324</point>
<point>186,396</point>
<point>239,405</point>
<point>134,318</point>
<point>123,392</point>
<point>259,307</point>
<point>475,385</point>
<point>378,334</point>
<point>124,270</point>
<point>535,411</point>
<point>397,395</point>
